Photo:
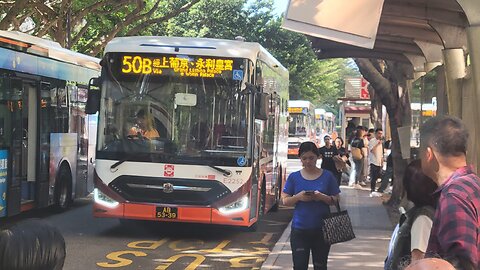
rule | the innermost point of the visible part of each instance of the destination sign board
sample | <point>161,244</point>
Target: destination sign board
<point>180,65</point>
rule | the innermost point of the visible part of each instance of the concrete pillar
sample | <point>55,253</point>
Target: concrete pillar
<point>455,71</point>
<point>473,34</point>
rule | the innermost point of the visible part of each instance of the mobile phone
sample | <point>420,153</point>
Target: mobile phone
<point>309,192</point>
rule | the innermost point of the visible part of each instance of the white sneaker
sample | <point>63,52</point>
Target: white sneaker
<point>375,194</point>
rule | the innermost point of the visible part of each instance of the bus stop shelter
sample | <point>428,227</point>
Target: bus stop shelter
<point>426,34</point>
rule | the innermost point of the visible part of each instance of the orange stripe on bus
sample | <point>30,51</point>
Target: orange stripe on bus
<point>14,42</point>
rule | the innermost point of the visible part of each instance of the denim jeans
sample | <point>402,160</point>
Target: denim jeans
<point>358,170</point>
<point>304,241</point>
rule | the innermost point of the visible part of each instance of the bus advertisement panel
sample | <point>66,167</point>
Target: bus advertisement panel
<point>43,90</point>
<point>182,129</point>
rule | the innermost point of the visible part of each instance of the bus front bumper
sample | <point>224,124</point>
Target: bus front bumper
<point>172,213</point>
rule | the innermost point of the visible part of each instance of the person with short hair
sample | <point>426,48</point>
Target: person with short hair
<point>327,152</point>
<point>32,244</point>
<point>455,232</point>
<point>375,159</point>
<point>431,264</point>
<point>310,190</point>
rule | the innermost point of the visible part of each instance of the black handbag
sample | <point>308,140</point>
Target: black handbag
<point>337,227</point>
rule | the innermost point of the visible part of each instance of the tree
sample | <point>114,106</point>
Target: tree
<point>391,85</point>
<point>87,25</point>
<point>320,81</point>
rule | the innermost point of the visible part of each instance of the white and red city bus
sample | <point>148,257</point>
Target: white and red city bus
<point>219,110</point>
<point>301,125</point>
<point>44,136</point>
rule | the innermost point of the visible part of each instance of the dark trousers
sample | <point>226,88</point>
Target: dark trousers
<point>338,175</point>
<point>375,173</point>
<point>386,179</point>
<point>304,241</point>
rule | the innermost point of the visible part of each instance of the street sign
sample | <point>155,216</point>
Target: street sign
<point>364,94</point>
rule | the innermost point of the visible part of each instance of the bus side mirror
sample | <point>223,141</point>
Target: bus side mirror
<point>262,103</point>
<point>93,101</point>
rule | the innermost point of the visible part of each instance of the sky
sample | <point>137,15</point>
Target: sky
<point>280,6</point>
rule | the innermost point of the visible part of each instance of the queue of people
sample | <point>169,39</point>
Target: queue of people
<point>446,196</point>
<point>442,226</point>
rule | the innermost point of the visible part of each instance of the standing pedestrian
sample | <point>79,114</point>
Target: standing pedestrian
<point>341,160</point>
<point>375,159</point>
<point>455,233</point>
<point>388,174</point>
<point>311,190</point>
<point>327,152</point>
<point>410,238</point>
<point>357,148</point>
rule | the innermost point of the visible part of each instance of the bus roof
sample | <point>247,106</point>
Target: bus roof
<point>48,48</point>
<point>299,103</point>
<point>195,46</point>
<point>320,111</point>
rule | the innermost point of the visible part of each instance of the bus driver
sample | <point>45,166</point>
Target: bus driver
<point>143,126</point>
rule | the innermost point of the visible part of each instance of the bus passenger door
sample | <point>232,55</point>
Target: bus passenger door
<point>45,120</point>
<point>23,107</point>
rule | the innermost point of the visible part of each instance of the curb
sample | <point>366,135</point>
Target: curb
<point>276,252</point>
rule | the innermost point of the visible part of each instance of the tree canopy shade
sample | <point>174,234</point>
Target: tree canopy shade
<point>87,26</point>
<point>319,81</point>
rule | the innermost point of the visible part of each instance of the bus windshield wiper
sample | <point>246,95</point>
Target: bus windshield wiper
<point>116,164</point>
<point>225,172</point>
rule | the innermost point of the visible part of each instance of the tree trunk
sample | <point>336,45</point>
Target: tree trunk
<point>389,82</point>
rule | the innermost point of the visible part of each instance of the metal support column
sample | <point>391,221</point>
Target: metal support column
<point>454,74</point>
<point>473,34</point>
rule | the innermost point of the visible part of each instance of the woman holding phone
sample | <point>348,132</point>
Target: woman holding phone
<point>310,190</point>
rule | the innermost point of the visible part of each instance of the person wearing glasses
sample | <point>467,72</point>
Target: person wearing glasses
<point>311,191</point>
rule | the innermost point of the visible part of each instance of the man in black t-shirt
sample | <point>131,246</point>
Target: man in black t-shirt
<point>327,153</point>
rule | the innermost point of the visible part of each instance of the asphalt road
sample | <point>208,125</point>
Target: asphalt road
<point>106,243</point>
<point>94,243</point>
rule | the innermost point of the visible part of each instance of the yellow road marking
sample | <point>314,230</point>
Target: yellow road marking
<point>265,240</point>
<point>174,245</point>
<point>147,244</point>
<point>240,262</point>
<point>218,248</point>
<point>115,256</point>
<point>193,265</point>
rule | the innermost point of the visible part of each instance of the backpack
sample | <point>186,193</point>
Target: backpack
<point>400,243</point>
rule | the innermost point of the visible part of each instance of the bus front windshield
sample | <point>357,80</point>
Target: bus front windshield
<point>298,126</point>
<point>167,115</point>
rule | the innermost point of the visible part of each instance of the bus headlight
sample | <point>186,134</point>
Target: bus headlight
<point>235,207</point>
<point>103,199</point>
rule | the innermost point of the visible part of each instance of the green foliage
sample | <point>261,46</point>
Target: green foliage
<point>320,81</point>
<point>429,84</point>
<point>94,23</point>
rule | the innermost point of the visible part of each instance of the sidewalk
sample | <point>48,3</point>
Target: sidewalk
<point>372,228</point>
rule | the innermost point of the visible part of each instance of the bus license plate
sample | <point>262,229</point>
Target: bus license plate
<point>167,212</point>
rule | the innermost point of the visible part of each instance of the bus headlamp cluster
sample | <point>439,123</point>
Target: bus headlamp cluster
<point>235,207</point>
<point>103,199</point>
